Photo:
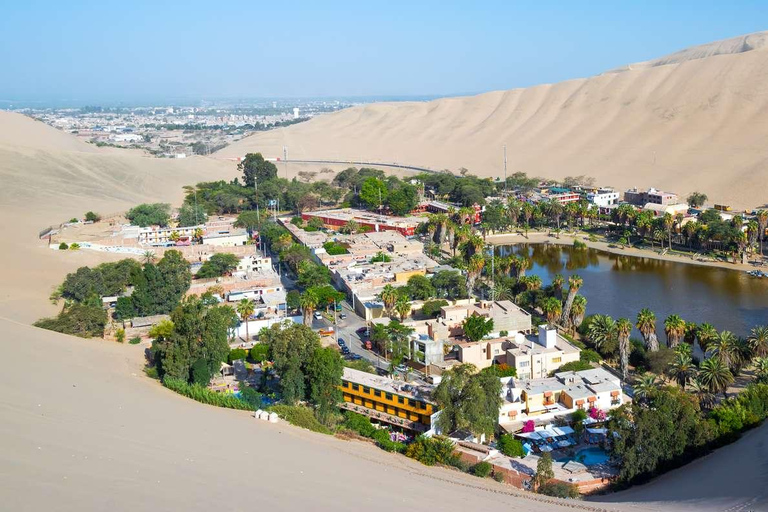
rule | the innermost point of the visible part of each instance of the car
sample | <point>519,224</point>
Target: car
<point>362,330</point>
<point>355,357</point>
<point>401,368</point>
<point>344,350</point>
<point>341,342</point>
<point>343,316</point>
<point>318,315</point>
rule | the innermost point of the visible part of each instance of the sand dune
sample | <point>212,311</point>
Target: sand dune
<point>694,120</point>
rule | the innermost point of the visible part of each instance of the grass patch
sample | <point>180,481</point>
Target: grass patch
<point>135,341</point>
<point>205,395</point>
<point>301,416</point>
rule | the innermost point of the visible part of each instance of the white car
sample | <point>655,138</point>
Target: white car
<point>318,315</point>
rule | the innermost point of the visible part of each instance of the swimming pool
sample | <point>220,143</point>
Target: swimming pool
<point>591,456</point>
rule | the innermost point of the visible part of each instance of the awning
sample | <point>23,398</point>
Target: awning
<point>614,393</point>
<point>598,431</point>
<point>564,430</point>
<point>579,402</point>
<point>547,394</point>
<point>592,399</point>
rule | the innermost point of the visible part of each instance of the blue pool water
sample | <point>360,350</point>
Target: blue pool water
<point>588,456</point>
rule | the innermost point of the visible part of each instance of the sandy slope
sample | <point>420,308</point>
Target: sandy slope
<point>695,120</point>
<point>82,429</point>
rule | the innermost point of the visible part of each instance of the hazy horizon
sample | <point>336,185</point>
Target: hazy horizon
<point>90,53</point>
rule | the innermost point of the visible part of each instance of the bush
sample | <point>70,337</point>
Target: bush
<point>380,257</point>
<point>83,320</point>
<point>482,469</point>
<point>237,353</point>
<point>501,370</point>
<point>200,373</point>
<point>251,397</point>
<point>499,477</point>
<point>432,450</point>
<point>579,245</point>
<point>204,395</point>
<point>120,335</point>
<point>503,334</point>
<point>92,217</point>
<point>300,416</point>
<point>144,215</point>
<point>432,307</point>
<point>589,356</point>
<point>381,436</point>
<point>135,340</point>
<point>63,246</point>
<point>334,248</point>
<point>573,366</point>
<point>510,446</point>
<point>259,353</point>
<point>359,423</point>
<point>74,246</point>
<point>559,490</point>
<point>297,221</point>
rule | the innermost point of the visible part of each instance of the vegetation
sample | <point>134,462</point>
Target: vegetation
<point>482,469</point>
<point>544,472</point>
<point>477,327</point>
<point>83,320</point>
<point>468,400</point>
<point>92,216</point>
<point>156,214</point>
<point>301,416</point>
<point>191,215</point>
<point>204,395</point>
<point>380,257</point>
<point>219,264</point>
<point>334,248</point>
<point>560,490</point>
<point>510,446</point>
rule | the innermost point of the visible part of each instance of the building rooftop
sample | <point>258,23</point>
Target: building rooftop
<point>421,392</point>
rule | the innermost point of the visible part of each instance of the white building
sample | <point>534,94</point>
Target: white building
<point>226,238</point>
<point>603,197</point>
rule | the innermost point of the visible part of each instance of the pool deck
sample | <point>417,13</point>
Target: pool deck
<point>571,471</point>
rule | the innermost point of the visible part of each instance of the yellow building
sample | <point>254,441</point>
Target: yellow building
<point>389,401</point>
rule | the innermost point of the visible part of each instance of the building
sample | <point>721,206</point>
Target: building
<point>154,235</point>
<point>603,197</point>
<point>659,210</point>
<point>642,197</point>
<point>440,207</point>
<point>334,219</point>
<point>532,356</point>
<point>547,398</point>
<point>563,196</point>
<point>226,237</point>
<point>389,401</point>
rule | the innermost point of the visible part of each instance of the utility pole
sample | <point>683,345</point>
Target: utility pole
<point>505,170</point>
<point>285,159</point>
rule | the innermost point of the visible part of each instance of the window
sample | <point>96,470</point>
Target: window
<point>557,359</point>
<point>422,405</point>
<point>389,396</point>
<point>376,392</point>
<point>356,387</point>
<point>524,364</point>
<point>412,402</point>
<point>366,389</point>
<point>401,399</point>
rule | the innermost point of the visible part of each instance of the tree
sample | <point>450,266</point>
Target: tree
<point>256,170</point>
<point>674,327</point>
<point>715,375</point>
<point>420,287</point>
<point>432,308</point>
<point>646,324</point>
<point>450,284</point>
<point>552,308</point>
<point>245,309</point>
<point>762,224</point>
<point>724,347</point>
<point>623,330</point>
<point>199,333</point>
<point>191,215</point>
<point>602,331</point>
<point>682,369</point>
<point>403,307</point>
<point>249,219</point>
<point>758,338</point>
<point>403,199</point>
<point>160,287</point>
<point>290,347</point>
<point>697,199</point>
<point>156,214</point>
<point>312,275</point>
<point>220,264</point>
<point>544,472</point>
<point>92,217</point>
<point>578,310</point>
<point>83,320</point>
<point>574,283</point>
<point>308,302</point>
<point>477,327</point>
<point>373,193</point>
<point>293,300</point>
<point>389,297</point>
<point>646,386</point>
<point>468,400</point>
<point>324,371</point>
<point>509,446</point>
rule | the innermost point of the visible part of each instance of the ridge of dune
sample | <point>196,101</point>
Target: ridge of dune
<point>695,123</point>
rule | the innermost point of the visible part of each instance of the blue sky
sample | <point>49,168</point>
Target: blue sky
<point>94,51</point>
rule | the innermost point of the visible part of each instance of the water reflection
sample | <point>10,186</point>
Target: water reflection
<point>622,285</point>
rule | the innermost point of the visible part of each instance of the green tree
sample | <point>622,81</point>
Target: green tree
<point>250,220</point>
<point>623,330</point>
<point>715,375</point>
<point>92,217</point>
<point>602,332</point>
<point>469,400</point>
<point>509,446</point>
<point>191,215</point>
<point>245,309</point>
<point>290,347</point>
<point>156,214</point>
<point>403,199</point>
<point>477,327</point>
<point>256,170</point>
<point>219,264</point>
<point>574,284</point>
<point>674,327</point>
<point>646,324</point>
<point>552,309</point>
<point>83,320</point>
<point>432,308</point>
<point>420,287</point>
<point>160,287</point>
<point>388,296</point>
<point>308,303</point>
<point>403,307</point>
<point>697,199</point>
<point>293,300</point>
<point>312,275</point>
<point>373,193</point>
<point>544,472</point>
<point>324,371</point>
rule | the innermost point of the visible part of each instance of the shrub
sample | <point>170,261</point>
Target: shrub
<point>135,340</point>
<point>200,373</point>
<point>63,246</point>
<point>237,353</point>
<point>120,335</point>
<point>573,366</point>
<point>74,246</point>
<point>251,397</point>
<point>501,370</point>
<point>432,450</point>
<point>503,333</point>
<point>510,446</point>
<point>83,320</point>
<point>559,490</point>
<point>92,217</point>
<point>499,477</point>
<point>359,423</point>
<point>589,356</point>
<point>297,221</point>
<point>381,436</point>
<point>259,353</point>
<point>334,248</point>
<point>300,416</point>
<point>592,237</point>
<point>204,395</point>
<point>579,245</point>
<point>380,257</point>
<point>482,469</point>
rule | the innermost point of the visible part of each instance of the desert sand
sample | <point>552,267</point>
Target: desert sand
<point>694,120</point>
<point>81,427</point>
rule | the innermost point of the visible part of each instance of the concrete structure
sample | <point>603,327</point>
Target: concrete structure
<point>533,356</point>
<point>334,219</point>
<point>659,210</point>
<point>603,197</point>
<point>154,235</point>
<point>389,401</point>
<point>548,398</point>
<point>226,237</point>
<point>642,197</point>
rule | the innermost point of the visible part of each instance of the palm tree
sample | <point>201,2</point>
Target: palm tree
<point>623,329</point>
<point>758,338</point>
<point>761,369</point>
<point>762,224</point>
<point>574,283</point>
<point>245,309</point>
<point>474,269</point>
<point>723,347</point>
<point>552,309</point>
<point>682,369</point>
<point>521,264</point>
<point>705,334</point>
<point>669,223</point>
<point>578,309</point>
<point>557,285</point>
<point>403,307</point>
<point>702,392</point>
<point>389,296</point>
<point>149,257</point>
<point>500,291</point>
<point>531,283</point>
<point>308,302</point>
<point>646,386</point>
<point>674,327</point>
<point>602,332</point>
<point>715,375</point>
<point>646,324</point>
